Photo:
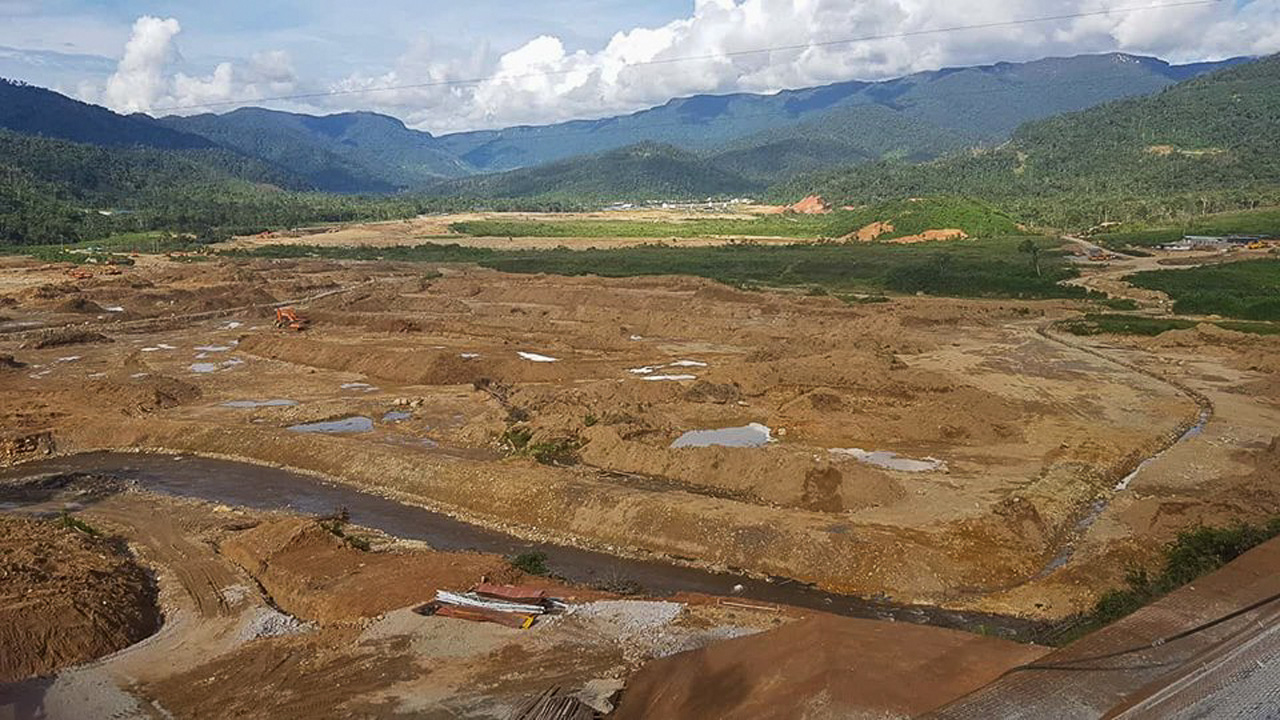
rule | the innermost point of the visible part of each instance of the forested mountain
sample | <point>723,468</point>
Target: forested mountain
<point>757,138</point>
<point>35,111</point>
<point>985,102</point>
<point>347,152</point>
<point>1210,142</point>
<point>646,171</point>
<point>862,133</point>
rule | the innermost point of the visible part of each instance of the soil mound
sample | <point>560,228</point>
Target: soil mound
<point>932,236</point>
<point>811,205</point>
<point>66,336</point>
<point>870,232</point>
<point>819,668</point>
<point>313,574</point>
<point>66,597</point>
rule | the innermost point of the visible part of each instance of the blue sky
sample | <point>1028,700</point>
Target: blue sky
<point>550,60</point>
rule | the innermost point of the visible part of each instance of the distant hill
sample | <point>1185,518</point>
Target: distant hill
<point>35,111</point>
<point>985,102</point>
<point>850,135</point>
<point>1211,140</point>
<point>647,171</point>
<point>347,152</point>
<point>758,139</point>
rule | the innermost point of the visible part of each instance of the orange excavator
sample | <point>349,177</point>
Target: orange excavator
<point>287,317</point>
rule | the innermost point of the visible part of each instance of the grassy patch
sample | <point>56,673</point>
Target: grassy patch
<point>533,563</point>
<point>1194,554</point>
<point>991,267</point>
<point>72,522</point>
<point>1248,290</point>
<point>1114,324</point>
<point>1107,324</point>
<point>908,217</point>
<point>1251,222</point>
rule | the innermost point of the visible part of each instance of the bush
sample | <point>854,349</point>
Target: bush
<point>533,563</point>
<point>1192,555</point>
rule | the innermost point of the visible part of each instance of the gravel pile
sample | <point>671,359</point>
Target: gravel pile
<point>269,622</point>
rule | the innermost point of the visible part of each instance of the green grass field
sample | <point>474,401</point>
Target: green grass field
<point>1117,324</point>
<point>1251,222</point>
<point>992,267</point>
<point>1248,290</point>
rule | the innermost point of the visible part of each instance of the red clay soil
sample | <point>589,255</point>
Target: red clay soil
<point>66,598</point>
<point>314,575</point>
<point>811,205</point>
<point>822,667</point>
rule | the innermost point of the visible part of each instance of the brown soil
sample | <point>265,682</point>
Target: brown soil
<point>312,574</point>
<point>932,236</point>
<point>66,597</point>
<point>1032,430</point>
<point>822,668</point>
<point>870,232</point>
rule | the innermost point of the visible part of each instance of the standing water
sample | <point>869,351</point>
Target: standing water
<point>752,435</point>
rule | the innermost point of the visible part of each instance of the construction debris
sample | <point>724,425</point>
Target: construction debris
<point>554,704</point>
<point>508,605</point>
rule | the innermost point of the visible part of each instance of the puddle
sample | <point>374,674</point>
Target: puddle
<point>135,376</point>
<point>259,403</point>
<point>636,337</point>
<point>213,348</point>
<point>69,358</point>
<point>891,460</point>
<point>232,325</point>
<point>114,309</point>
<point>1191,432</point>
<point>469,356</point>
<point>214,367</point>
<point>649,369</point>
<point>353,424</point>
<point>535,357</point>
<point>396,416</point>
<point>366,387</point>
<point>670,377</point>
<point>753,435</point>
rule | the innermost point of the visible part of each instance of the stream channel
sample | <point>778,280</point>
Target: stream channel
<point>267,488</point>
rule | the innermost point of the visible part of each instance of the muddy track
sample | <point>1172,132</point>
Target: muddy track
<point>198,569</point>
<point>1183,432</point>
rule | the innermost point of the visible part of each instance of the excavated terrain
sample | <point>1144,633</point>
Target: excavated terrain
<point>925,450</point>
<point>66,597</point>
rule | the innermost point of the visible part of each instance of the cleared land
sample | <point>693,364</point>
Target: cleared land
<point>948,452</point>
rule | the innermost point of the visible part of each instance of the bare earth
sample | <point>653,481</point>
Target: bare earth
<point>1022,431</point>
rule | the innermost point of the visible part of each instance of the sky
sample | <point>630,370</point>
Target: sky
<point>487,64</point>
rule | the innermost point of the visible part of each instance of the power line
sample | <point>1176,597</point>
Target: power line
<point>696,58</point>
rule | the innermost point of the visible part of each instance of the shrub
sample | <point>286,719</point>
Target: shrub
<point>533,563</point>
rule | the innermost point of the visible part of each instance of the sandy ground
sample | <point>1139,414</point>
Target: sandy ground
<point>270,615</point>
<point>1023,430</point>
<point>1012,434</point>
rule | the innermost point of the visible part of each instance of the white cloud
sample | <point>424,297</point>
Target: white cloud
<point>139,80</point>
<point>544,81</point>
<point>142,81</point>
